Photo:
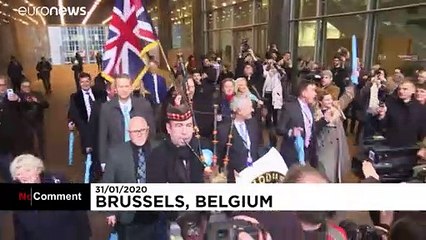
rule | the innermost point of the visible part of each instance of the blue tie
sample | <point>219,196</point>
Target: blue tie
<point>141,175</point>
<point>126,114</point>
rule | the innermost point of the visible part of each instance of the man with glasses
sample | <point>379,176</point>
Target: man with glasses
<point>115,115</point>
<point>127,163</point>
<point>33,105</point>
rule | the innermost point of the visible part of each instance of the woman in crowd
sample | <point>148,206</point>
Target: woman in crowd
<point>46,225</point>
<point>227,94</point>
<point>332,149</point>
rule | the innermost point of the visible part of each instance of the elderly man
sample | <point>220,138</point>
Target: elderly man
<point>127,163</point>
<point>246,137</point>
<point>115,116</point>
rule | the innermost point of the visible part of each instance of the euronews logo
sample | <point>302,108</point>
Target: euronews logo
<point>52,11</point>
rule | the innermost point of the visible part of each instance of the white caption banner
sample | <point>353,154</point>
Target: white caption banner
<point>257,197</point>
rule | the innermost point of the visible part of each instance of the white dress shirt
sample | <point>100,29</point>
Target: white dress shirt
<point>86,95</point>
<point>155,79</point>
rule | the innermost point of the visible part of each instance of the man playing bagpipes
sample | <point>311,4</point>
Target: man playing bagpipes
<point>180,157</point>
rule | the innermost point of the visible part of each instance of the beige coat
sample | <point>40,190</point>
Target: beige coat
<point>332,146</point>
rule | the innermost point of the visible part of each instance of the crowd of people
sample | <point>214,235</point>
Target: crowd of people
<point>159,134</point>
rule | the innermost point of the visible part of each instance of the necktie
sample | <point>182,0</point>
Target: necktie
<point>126,114</point>
<point>90,99</point>
<point>246,139</point>
<point>307,117</point>
<point>141,173</point>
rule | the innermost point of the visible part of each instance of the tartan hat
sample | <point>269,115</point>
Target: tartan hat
<point>177,111</point>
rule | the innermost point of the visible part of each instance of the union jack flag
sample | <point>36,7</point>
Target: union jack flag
<point>130,36</point>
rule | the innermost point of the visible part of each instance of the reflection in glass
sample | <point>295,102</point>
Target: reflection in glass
<point>307,36</point>
<point>342,6</point>
<point>307,8</point>
<point>393,3</point>
<point>400,32</point>
<point>181,18</point>
<point>339,34</point>
<point>243,13</point>
<point>261,11</point>
<point>217,4</point>
<point>221,44</point>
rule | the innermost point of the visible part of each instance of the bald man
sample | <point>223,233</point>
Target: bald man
<point>402,119</point>
<point>127,164</point>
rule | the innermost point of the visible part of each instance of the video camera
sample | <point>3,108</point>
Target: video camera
<point>215,226</point>
<point>393,164</point>
<point>230,229</point>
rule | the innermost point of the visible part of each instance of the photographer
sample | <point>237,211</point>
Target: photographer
<point>250,67</point>
<point>272,91</point>
<point>371,96</point>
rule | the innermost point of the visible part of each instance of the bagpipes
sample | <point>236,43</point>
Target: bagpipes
<point>221,177</point>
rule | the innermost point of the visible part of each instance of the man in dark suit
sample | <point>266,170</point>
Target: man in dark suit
<point>33,105</point>
<point>177,158</point>
<point>246,136</point>
<point>83,113</point>
<point>8,115</point>
<point>115,116</point>
<point>296,120</point>
<point>157,87</point>
<point>127,164</point>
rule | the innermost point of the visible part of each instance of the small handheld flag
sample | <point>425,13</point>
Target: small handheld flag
<point>355,72</point>
<point>113,236</point>
<point>300,148</point>
<point>87,170</point>
<point>208,157</point>
<point>70,148</point>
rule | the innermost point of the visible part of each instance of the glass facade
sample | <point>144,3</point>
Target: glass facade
<point>389,32</point>
<point>87,40</point>
<point>229,22</point>
<point>181,19</point>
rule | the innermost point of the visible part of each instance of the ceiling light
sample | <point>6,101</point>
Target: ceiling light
<point>107,20</point>
<point>92,9</point>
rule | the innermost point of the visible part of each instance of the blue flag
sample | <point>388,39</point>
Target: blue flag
<point>113,236</point>
<point>355,72</point>
<point>299,144</point>
<point>208,157</point>
<point>70,148</point>
<point>87,170</point>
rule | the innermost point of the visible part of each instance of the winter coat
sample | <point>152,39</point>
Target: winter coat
<point>274,78</point>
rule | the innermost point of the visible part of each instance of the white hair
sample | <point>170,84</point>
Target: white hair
<point>26,161</point>
<point>238,101</point>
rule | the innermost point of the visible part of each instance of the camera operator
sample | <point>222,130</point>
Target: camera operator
<point>403,118</point>
<point>250,67</point>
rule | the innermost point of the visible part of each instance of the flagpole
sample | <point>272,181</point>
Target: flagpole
<point>165,57</point>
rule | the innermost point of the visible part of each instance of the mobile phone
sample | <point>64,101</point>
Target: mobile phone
<point>10,92</point>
